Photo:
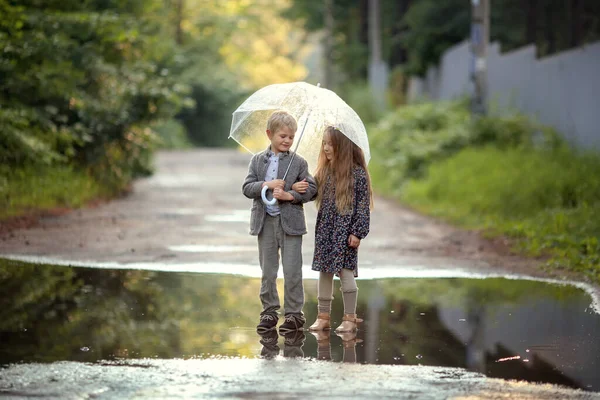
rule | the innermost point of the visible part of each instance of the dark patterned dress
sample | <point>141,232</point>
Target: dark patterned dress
<point>332,230</point>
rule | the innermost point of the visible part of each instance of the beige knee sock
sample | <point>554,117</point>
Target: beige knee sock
<point>349,291</point>
<point>325,294</point>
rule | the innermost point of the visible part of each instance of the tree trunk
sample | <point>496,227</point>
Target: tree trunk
<point>328,45</point>
<point>178,18</point>
<point>374,31</point>
<point>530,21</point>
<point>378,71</point>
<point>398,53</point>
<point>364,22</point>
<point>576,22</point>
<point>549,30</point>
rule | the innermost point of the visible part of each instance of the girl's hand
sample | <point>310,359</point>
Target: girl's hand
<point>300,187</point>
<point>353,241</point>
<point>281,194</point>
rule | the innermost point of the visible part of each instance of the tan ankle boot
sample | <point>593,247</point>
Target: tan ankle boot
<point>321,324</point>
<point>349,323</point>
<point>349,339</point>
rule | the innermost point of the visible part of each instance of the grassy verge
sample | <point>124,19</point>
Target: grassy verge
<point>497,176</point>
<point>547,201</point>
<point>35,189</point>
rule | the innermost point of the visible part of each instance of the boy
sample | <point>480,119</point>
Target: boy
<point>280,227</point>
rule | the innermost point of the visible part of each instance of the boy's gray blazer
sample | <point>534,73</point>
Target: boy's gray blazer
<point>292,212</point>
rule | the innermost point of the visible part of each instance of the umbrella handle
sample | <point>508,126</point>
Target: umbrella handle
<point>263,194</point>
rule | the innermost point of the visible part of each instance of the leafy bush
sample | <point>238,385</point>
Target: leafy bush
<point>546,199</point>
<point>405,142</point>
<point>208,122</point>
<point>79,79</point>
<point>508,175</point>
<point>510,183</point>
<point>172,135</point>
<point>359,97</point>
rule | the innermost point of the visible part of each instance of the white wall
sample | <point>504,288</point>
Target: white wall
<point>562,91</point>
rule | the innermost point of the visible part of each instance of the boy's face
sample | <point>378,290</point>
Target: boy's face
<point>281,139</point>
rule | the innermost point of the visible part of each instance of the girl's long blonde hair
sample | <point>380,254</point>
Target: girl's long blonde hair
<point>346,155</point>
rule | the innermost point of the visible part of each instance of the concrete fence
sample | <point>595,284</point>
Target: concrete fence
<point>562,91</point>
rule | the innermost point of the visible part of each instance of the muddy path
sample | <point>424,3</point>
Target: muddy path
<point>191,217</point>
<point>192,211</point>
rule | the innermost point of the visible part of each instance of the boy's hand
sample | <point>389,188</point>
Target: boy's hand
<point>301,186</point>
<point>274,184</point>
<point>280,194</point>
<point>353,241</point>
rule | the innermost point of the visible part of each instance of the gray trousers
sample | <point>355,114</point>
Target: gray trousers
<point>271,241</point>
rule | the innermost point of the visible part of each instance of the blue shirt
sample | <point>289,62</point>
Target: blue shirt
<point>271,174</point>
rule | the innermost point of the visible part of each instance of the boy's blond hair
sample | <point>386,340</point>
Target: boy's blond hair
<point>279,119</point>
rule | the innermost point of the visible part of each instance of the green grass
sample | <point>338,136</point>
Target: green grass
<point>34,189</point>
<point>548,201</point>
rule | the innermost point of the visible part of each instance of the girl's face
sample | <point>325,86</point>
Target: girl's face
<point>328,148</point>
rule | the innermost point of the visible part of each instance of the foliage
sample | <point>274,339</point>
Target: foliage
<point>84,83</point>
<point>508,175</point>
<point>227,53</point>
<point>546,199</point>
<point>172,135</point>
<point>415,33</point>
<point>81,82</point>
<point>433,27</point>
<point>45,187</point>
<point>407,140</point>
<point>359,97</point>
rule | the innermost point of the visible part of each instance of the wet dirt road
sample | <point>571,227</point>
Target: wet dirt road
<point>192,211</point>
<point>185,231</point>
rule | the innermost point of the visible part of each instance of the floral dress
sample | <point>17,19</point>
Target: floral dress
<point>332,252</point>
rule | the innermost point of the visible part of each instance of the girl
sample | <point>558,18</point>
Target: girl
<point>344,202</point>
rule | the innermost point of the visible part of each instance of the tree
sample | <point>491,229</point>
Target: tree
<point>81,83</point>
<point>229,52</point>
<point>417,32</point>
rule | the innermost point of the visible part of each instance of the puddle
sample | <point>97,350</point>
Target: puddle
<point>511,329</point>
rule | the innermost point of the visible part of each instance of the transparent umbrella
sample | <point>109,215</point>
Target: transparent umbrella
<point>314,108</point>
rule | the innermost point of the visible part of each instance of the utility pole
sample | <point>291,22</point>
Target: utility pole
<point>480,33</point>
<point>328,46</point>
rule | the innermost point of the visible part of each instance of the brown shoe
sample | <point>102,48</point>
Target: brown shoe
<point>322,323</point>
<point>323,345</point>
<point>321,336</point>
<point>349,339</point>
<point>349,323</point>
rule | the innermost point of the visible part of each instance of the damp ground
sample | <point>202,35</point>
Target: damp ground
<point>155,295</point>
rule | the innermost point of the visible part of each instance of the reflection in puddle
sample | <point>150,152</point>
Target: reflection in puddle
<point>510,329</point>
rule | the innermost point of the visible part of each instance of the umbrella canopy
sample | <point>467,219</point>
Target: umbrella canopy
<point>314,108</point>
